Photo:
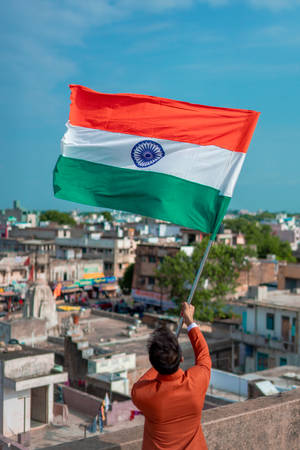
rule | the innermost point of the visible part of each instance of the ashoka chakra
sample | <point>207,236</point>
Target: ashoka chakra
<point>146,153</point>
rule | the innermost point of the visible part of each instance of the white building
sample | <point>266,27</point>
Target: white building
<point>73,269</point>
<point>269,335</point>
<point>26,388</point>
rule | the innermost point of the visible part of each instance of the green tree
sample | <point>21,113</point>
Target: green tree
<point>107,216</point>
<point>219,277</point>
<point>261,236</point>
<point>125,283</point>
<point>61,218</point>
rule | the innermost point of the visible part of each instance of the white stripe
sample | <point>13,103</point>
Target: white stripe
<point>208,165</point>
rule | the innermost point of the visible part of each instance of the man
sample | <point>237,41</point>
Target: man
<point>171,399</point>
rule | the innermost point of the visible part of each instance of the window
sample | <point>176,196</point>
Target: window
<point>293,331</point>
<point>151,280</point>
<point>262,361</point>
<point>270,321</point>
<point>152,259</point>
<point>191,238</point>
<point>283,362</point>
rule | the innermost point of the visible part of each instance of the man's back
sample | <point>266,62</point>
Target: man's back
<point>172,404</point>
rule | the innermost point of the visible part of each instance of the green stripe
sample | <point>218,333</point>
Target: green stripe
<point>147,193</point>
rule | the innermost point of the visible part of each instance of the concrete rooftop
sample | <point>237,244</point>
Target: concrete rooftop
<point>24,353</point>
<point>278,299</point>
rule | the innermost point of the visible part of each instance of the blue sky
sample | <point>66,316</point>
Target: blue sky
<point>229,53</point>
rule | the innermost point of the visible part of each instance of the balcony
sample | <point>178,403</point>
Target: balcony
<point>258,340</point>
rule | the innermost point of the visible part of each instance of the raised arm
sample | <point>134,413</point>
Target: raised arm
<point>202,357</point>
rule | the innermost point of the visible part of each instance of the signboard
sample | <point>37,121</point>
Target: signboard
<point>152,298</point>
<point>84,282</point>
<point>105,280</point>
<point>107,286</point>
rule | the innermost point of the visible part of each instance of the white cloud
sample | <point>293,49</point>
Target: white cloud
<point>36,36</point>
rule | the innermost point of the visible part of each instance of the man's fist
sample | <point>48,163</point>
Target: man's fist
<point>187,312</point>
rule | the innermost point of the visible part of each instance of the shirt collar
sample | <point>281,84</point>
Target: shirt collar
<point>171,377</point>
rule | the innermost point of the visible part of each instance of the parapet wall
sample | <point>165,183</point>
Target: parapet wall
<point>264,423</point>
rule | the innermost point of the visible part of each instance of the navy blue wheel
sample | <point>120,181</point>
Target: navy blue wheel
<point>146,153</point>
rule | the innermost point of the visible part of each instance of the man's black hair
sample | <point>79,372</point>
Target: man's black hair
<point>164,351</point>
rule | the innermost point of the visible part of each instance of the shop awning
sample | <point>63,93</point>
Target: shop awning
<point>89,276</point>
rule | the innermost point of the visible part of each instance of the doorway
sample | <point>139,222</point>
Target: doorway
<point>39,406</point>
<point>285,328</point>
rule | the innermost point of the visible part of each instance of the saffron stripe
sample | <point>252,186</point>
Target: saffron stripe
<point>162,118</point>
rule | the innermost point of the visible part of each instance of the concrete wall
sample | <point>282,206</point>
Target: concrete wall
<point>260,272</point>
<point>116,363</point>
<point>81,401</point>
<point>89,404</point>
<point>263,423</point>
<point>32,366</point>
<point>27,331</point>
<point>16,412</point>
<point>226,381</point>
<point>95,388</point>
<point>74,363</point>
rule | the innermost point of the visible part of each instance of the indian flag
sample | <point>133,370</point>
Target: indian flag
<point>162,158</point>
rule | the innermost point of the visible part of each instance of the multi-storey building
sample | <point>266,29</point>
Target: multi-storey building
<point>145,286</point>
<point>289,277</point>
<point>117,253</point>
<point>269,335</point>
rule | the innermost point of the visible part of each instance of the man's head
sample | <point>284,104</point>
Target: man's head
<point>164,351</point>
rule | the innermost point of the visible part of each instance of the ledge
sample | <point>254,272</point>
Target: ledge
<point>266,422</point>
<point>33,382</point>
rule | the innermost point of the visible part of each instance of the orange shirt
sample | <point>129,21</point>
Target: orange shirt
<point>172,404</point>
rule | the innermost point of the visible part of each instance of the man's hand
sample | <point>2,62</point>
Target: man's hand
<point>187,312</point>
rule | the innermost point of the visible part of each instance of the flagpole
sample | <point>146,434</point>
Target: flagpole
<point>196,280</point>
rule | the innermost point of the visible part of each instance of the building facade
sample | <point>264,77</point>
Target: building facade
<point>145,286</point>
<point>269,335</point>
<point>26,388</point>
<point>289,277</point>
<point>117,253</point>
